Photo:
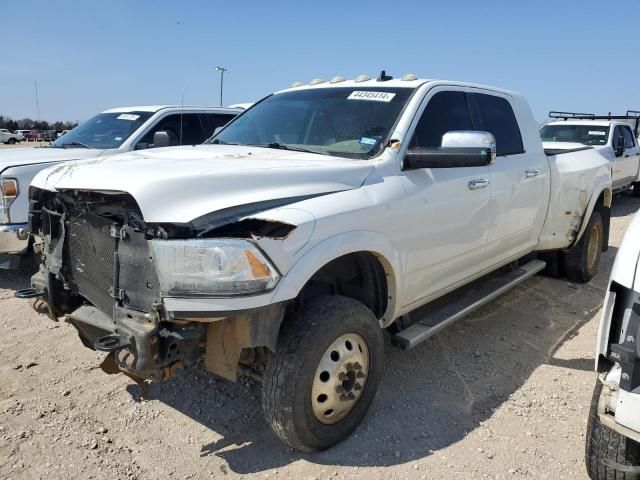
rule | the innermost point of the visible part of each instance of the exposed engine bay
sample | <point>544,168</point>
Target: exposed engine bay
<point>96,268</point>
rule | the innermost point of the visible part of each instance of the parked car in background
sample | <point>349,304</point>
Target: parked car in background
<point>23,133</point>
<point>112,131</point>
<point>34,136</point>
<point>322,215</point>
<point>612,136</point>
<point>613,431</point>
<point>7,136</point>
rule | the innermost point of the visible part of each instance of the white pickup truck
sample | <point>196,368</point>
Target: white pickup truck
<point>615,137</point>
<point>613,430</point>
<point>7,136</point>
<point>319,218</point>
<point>112,131</point>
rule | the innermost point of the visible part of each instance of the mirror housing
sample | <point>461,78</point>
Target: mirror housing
<point>619,147</point>
<point>458,149</point>
<point>217,130</point>
<point>161,139</point>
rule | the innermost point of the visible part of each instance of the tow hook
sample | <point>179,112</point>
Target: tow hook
<point>111,343</point>
<point>28,293</point>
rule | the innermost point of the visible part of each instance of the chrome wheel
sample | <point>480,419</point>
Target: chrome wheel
<point>340,378</point>
<point>593,246</point>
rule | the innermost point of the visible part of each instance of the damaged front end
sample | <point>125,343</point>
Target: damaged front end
<point>107,273</point>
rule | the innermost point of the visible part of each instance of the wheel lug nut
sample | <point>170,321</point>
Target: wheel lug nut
<point>339,389</point>
<point>357,386</point>
<point>342,376</point>
<point>349,366</point>
<point>360,374</point>
<point>343,398</point>
<point>357,366</point>
<point>351,396</point>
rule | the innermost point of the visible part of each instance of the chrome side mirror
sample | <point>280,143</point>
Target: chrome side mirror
<point>470,139</point>
<point>458,149</point>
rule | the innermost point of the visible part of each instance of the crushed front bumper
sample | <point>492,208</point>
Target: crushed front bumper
<point>14,240</point>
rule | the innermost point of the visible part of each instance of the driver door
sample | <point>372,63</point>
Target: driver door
<point>446,214</point>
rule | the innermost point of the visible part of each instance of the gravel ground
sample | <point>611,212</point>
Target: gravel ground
<point>503,394</point>
<point>4,146</point>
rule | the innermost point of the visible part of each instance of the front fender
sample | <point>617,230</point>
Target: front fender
<point>338,246</point>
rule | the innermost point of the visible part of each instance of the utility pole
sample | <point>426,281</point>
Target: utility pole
<point>35,83</point>
<point>221,70</point>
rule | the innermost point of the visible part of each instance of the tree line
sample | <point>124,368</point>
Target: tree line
<point>29,124</point>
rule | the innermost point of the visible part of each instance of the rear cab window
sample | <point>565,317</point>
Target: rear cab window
<point>495,115</point>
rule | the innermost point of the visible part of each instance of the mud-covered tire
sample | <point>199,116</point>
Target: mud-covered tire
<point>581,261</point>
<point>604,444</point>
<point>305,338</point>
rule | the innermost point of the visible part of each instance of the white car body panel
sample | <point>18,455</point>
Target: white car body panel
<point>206,178</point>
<point>625,405</point>
<point>577,180</point>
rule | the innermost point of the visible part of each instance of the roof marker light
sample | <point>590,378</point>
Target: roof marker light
<point>337,80</point>
<point>297,84</point>
<point>362,78</point>
<point>316,81</point>
<point>409,77</point>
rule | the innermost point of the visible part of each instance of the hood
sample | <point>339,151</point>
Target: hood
<point>180,184</point>
<point>15,157</point>
<point>562,145</point>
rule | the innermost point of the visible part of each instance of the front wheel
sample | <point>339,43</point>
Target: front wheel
<point>320,382</point>
<point>606,448</point>
<point>636,189</point>
<point>581,262</point>
<point>12,141</point>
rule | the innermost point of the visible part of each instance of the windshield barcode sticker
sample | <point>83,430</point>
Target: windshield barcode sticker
<point>371,96</point>
<point>128,116</point>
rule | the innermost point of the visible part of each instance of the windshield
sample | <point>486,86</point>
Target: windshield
<point>584,134</point>
<point>345,122</point>
<point>105,130</point>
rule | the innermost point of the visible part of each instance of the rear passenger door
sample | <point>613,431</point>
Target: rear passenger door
<point>518,180</point>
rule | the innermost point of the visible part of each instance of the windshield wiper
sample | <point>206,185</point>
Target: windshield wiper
<point>75,144</point>
<point>281,146</point>
<point>215,141</point>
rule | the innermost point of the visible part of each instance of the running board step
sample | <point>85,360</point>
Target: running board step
<point>461,303</point>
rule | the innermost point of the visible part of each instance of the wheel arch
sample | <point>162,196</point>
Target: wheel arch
<point>600,199</point>
<point>373,253</point>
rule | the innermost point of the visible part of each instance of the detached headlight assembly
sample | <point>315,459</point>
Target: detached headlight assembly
<point>212,267</point>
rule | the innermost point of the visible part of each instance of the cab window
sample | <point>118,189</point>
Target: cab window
<point>183,129</point>
<point>629,141</point>
<point>495,115</point>
<point>445,112</point>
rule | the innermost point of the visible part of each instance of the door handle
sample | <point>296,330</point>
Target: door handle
<point>532,173</point>
<point>478,184</point>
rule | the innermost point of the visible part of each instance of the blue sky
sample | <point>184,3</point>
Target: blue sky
<point>87,56</point>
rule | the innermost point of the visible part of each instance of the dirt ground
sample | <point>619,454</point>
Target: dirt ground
<point>4,146</point>
<point>503,394</point>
